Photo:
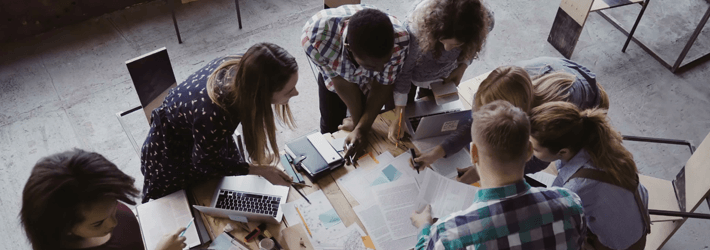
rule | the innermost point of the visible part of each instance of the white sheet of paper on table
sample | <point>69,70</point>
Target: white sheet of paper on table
<point>444,166</point>
<point>355,183</point>
<point>372,217</point>
<point>395,201</point>
<point>445,195</point>
<point>350,239</point>
<point>320,217</point>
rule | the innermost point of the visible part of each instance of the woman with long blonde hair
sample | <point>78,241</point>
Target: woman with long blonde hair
<point>190,139</point>
<point>592,162</point>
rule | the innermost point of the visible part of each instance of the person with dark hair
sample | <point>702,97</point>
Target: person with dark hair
<point>444,38</point>
<point>190,138</point>
<point>75,200</point>
<point>507,213</point>
<point>592,162</point>
<point>358,50</point>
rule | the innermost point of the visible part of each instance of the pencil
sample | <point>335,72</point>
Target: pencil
<point>399,128</point>
<point>299,192</point>
<point>304,222</point>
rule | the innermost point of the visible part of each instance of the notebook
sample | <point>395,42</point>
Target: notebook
<point>164,216</point>
<point>320,156</point>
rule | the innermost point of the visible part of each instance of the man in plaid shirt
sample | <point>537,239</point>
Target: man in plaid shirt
<point>507,213</point>
<point>358,51</point>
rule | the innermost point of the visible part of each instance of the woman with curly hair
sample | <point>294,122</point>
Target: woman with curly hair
<point>445,37</point>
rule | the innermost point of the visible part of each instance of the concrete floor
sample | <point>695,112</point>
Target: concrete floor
<point>62,89</point>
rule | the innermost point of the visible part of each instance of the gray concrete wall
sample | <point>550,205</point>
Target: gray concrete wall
<point>61,89</point>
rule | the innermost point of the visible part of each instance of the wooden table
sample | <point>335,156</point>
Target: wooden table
<point>339,198</point>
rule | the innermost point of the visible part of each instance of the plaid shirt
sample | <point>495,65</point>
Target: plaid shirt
<point>516,216</point>
<point>323,40</point>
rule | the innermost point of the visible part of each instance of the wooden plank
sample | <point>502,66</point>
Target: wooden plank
<point>697,170</point>
<point>568,24</point>
<point>608,4</point>
<point>661,196</point>
<point>660,233</point>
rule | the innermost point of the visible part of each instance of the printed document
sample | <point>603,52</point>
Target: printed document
<point>445,195</point>
<point>372,218</point>
<point>397,204</point>
<point>164,216</point>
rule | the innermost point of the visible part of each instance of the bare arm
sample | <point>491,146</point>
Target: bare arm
<point>350,94</point>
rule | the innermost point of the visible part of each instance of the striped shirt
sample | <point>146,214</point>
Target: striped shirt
<point>516,216</point>
<point>323,40</point>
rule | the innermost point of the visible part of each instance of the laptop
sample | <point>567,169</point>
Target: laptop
<point>247,198</point>
<point>427,119</point>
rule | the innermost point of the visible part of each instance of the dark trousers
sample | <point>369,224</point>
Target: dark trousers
<point>333,110</point>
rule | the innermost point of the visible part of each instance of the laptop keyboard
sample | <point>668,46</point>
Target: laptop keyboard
<point>246,202</point>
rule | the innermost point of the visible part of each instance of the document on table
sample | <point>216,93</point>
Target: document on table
<point>444,166</point>
<point>165,215</point>
<point>350,239</point>
<point>445,195</point>
<point>359,183</point>
<point>395,200</point>
<point>320,217</point>
<point>372,217</point>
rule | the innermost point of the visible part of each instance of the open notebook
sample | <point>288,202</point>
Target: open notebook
<point>164,216</point>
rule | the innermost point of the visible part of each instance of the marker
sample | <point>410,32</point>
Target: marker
<point>187,227</point>
<point>416,165</point>
<point>399,128</point>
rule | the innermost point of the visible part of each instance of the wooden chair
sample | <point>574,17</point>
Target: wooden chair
<point>689,189</point>
<point>571,16</point>
<point>153,77</point>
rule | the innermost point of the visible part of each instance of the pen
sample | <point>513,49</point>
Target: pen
<point>299,192</point>
<point>414,155</point>
<point>188,226</point>
<point>399,129</point>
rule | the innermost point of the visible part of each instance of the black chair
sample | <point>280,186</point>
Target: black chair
<point>153,77</point>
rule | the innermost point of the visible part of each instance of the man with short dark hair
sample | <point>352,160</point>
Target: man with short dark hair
<point>507,213</point>
<point>358,51</point>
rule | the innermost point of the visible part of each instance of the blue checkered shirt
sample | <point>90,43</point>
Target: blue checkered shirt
<point>516,216</point>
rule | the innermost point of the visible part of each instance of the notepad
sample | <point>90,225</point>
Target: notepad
<point>164,216</point>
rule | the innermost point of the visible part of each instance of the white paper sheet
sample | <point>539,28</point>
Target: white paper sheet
<point>543,178</point>
<point>320,217</point>
<point>445,166</point>
<point>164,216</point>
<point>350,239</point>
<point>359,183</point>
<point>372,217</point>
<point>445,195</point>
<point>397,202</point>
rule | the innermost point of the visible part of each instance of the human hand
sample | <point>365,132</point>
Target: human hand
<point>347,125</point>
<point>272,174</point>
<point>430,157</point>
<point>396,132</point>
<point>456,75</point>
<point>423,218</point>
<point>468,175</point>
<point>172,241</point>
<point>357,139</point>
